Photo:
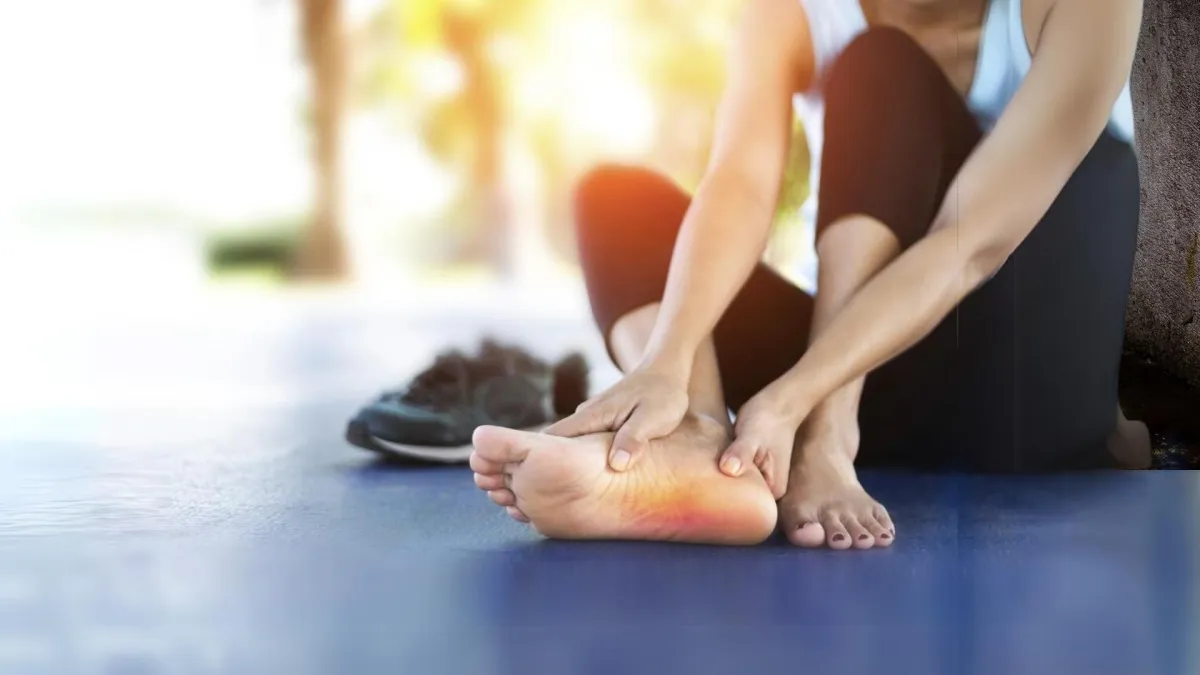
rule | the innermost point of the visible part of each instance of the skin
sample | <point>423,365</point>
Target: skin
<point>800,432</point>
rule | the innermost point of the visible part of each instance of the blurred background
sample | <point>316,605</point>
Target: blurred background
<point>185,144</point>
<point>227,203</point>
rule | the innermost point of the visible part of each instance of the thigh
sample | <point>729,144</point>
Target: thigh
<point>1040,344</point>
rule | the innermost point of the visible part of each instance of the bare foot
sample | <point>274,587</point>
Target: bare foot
<point>826,505</point>
<point>564,488</point>
<point>1130,443</point>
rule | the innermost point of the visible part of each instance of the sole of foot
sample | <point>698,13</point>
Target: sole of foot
<point>826,506</point>
<point>565,490</point>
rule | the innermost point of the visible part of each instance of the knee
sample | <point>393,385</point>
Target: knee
<point>600,187</point>
<point>618,207</point>
<point>879,70</point>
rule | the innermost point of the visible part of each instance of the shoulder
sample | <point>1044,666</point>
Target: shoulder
<point>777,33</point>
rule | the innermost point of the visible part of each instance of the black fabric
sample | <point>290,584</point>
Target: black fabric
<point>1021,377</point>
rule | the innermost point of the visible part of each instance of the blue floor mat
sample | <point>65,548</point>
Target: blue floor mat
<point>203,515</point>
<point>256,557</point>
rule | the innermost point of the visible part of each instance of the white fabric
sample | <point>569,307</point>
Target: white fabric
<point>1003,62</point>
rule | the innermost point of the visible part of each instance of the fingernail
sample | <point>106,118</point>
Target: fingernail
<point>620,460</point>
<point>839,537</point>
<point>733,465</point>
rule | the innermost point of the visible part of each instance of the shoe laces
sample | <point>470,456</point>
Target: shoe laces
<point>454,375</point>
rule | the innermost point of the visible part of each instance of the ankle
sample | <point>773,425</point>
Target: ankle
<point>829,435</point>
<point>711,422</point>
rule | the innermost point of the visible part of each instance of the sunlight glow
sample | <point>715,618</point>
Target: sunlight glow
<point>587,80</point>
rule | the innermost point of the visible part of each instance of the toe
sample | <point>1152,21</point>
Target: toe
<point>490,482</point>
<point>508,446</point>
<point>482,466</point>
<point>516,514</point>
<point>883,538</point>
<point>808,535</point>
<point>885,521</point>
<point>858,533</point>
<point>836,534</point>
<point>801,525</point>
<point>502,497</point>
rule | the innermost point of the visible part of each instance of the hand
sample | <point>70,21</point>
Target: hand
<point>764,435</point>
<point>647,403</point>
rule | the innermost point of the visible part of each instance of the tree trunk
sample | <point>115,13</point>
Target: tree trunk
<point>322,253</point>
<point>467,35</point>
<point>1164,302</point>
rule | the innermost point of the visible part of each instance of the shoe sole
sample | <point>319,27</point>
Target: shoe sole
<point>358,435</point>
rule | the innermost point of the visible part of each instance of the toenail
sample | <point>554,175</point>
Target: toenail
<point>864,537</point>
<point>885,535</point>
<point>839,537</point>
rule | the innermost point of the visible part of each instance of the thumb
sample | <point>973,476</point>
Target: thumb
<point>738,456</point>
<point>588,419</point>
<point>630,442</point>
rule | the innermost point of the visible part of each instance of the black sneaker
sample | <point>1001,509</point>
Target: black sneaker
<point>432,418</point>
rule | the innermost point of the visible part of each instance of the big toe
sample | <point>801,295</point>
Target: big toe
<point>801,526</point>
<point>497,445</point>
<point>808,535</point>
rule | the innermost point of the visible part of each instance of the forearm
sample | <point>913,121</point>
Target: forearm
<point>892,312</point>
<point>721,240</point>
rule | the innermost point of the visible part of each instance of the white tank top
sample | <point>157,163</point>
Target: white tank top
<point>1002,64</point>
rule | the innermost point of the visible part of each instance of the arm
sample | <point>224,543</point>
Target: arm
<point>726,229</point>
<point>1083,57</point>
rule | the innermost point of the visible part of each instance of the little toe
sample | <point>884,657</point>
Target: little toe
<point>489,482</point>
<point>883,538</point>
<point>502,497</point>
<point>836,535</point>
<point>885,521</point>
<point>516,514</point>
<point>861,536</point>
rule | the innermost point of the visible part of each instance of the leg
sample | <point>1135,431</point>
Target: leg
<point>895,134</point>
<point>1041,342</point>
<point>628,221</point>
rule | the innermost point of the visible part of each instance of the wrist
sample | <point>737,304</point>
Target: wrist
<point>670,358</point>
<point>793,398</point>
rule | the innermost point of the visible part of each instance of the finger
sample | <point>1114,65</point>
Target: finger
<point>836,535</point>
<point>489,482</point>
<point>858,533</point>
<point>517,514</point>
<point>739,455</point>
<point>502,497</point>
<point>772,472</point>
<point>642,426</point>
<point>589,418</point>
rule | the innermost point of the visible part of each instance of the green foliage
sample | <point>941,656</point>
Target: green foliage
<point>795,180</point>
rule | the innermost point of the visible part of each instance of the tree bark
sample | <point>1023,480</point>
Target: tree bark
<point>1163,320</point>
<point>322,253</point>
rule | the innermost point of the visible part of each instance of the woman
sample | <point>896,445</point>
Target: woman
<point>976,219</point>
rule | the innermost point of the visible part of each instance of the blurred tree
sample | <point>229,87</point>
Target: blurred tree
<point>462,66</point>
<point>322,251</point>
